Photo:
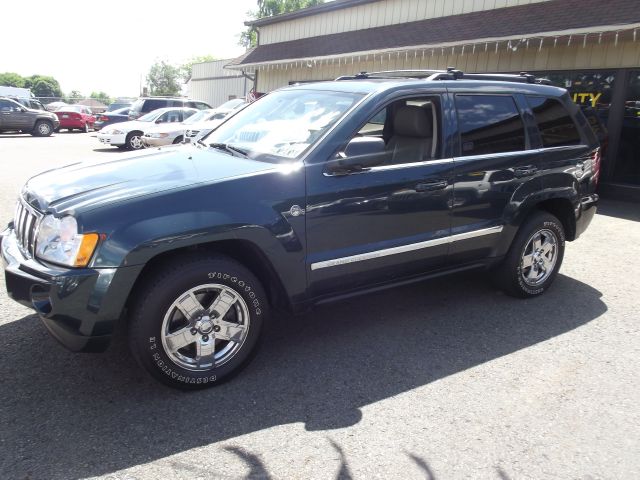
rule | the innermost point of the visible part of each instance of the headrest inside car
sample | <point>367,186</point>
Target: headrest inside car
<point>412,121</point>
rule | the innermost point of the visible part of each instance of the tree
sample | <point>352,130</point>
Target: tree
<point>74,96</point>
<point>164,79</point>
<point>43,86</point>
<point>269,8</point>
<point>10,79</point>
<point>187,67</point>
<point>101,97</point>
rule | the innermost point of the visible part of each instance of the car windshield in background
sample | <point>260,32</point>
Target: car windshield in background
<point>231,104</point>
<point>282,125</point>
<point>70,108</point>
<point>201,115</point>
<point>120,111</point>
<point>151,116</point>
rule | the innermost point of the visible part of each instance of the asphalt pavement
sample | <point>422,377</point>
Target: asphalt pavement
<point>447,379</point>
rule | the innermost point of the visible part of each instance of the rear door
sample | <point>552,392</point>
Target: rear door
<point>494,159</point>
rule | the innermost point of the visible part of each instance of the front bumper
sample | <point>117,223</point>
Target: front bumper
<point>115,139</point>
<point>585,213</point>
<point>80,307</point>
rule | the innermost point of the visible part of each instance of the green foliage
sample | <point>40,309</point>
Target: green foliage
<point>10,79</point>
<point>43,86</point>
<point>101,97</point>
<point>186,68</point>
<point>269,8</point>
<point>75,95</point>
<point>40,85</point>
<point>164,79</point>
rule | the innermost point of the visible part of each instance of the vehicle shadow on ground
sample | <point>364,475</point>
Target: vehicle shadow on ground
<point>618,209</point>
<point>110,150</point>
<point>69,415</point>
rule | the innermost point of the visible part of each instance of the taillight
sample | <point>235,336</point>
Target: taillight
<point>596,159</point>
<point>102,118</point>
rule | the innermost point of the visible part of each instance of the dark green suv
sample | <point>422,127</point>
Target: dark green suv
<point>16,117</point>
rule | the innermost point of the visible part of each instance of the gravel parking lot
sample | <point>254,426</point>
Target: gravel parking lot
<point>440,380</point>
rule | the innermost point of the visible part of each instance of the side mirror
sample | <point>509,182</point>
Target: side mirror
<point>159,120</point>
<point>360,154</point>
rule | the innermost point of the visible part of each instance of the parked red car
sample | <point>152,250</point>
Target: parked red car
<point>75,117</point>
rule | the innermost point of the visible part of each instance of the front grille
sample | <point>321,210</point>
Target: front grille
<point>25,224</point>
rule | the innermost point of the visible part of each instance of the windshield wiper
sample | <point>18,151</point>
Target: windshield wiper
<point>235,151</point>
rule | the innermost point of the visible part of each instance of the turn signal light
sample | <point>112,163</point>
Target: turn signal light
<point>87,247</point>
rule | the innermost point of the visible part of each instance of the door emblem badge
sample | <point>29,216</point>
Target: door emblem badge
<point>296,211</point>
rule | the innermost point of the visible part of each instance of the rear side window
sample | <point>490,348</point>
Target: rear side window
<point>489,124</point>
<point>153,104</point>
<point>554,122</point>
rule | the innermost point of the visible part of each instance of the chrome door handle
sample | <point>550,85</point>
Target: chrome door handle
<point>429,186</point>
<point>527,171</point>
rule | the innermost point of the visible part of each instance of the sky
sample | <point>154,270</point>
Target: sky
<point>109,46</point>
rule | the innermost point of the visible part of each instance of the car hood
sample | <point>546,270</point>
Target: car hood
<point>204,124</point>
<point>88,185</point>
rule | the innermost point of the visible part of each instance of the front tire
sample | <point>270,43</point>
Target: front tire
<point>42,128</point>
<point>134,141</point>
<point>198,321</point>
<point>534,258</point>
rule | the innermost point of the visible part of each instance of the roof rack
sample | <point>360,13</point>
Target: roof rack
<point>449,74</point>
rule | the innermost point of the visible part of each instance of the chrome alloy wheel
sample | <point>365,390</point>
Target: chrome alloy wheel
<point>44,129</point>
<point>205,327</point>
<point>539,257</point>
<point>136,142</point>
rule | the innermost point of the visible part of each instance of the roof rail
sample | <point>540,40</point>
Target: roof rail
<point>449,74</point>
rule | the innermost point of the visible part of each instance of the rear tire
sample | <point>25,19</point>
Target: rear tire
<point>197,322</point>
<point>42,128</point>
<point>534,258</point>
<point>86,128</point>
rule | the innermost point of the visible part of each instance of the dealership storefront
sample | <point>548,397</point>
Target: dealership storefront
<point>589,47</point>
<point>614,96</point>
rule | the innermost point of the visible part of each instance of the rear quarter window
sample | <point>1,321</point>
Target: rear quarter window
<point>556,126</point>
<point>153,104</point>
<point>489,124</point>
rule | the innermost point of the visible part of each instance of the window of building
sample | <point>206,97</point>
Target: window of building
<point>627,168</point>
<point>489,124</point>
<point>554,122</point>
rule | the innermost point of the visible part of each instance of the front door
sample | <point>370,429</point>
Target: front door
<point>389,219</point>
<point>14,117</point>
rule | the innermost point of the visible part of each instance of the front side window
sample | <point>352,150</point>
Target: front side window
<point>283,124</point>
<point>403,132</point>
<point>7,106</point>
<point>554,122</point>
<point>489,124</point>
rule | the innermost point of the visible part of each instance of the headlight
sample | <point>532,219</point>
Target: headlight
<point>58,241</point>
<point>114,131</point>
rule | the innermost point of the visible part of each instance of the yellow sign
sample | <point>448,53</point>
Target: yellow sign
<point>592,98</point>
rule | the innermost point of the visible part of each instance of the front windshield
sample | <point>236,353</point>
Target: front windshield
<point>283,124</point>
<point>200,115</point>
<point>151,116</point>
